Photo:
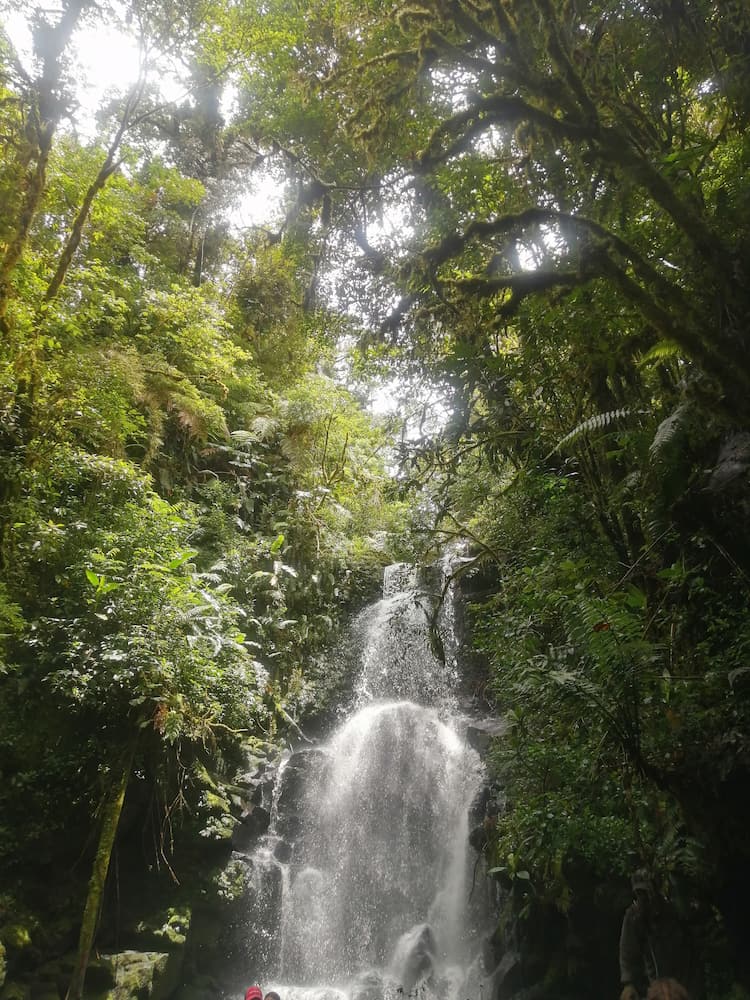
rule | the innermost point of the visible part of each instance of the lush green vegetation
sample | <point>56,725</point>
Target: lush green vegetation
<point>190,500</point>
<point>547,203</point>
<point>540,209</point>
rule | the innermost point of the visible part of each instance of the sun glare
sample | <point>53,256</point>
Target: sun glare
<point>107,59</point>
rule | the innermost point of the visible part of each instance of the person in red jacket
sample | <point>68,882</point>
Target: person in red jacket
<point>253,993</point>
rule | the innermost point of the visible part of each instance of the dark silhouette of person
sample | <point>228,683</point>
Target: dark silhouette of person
<point>653,942</point>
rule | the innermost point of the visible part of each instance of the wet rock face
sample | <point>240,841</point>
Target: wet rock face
<point>256,935</point>
<point>367,986</point>
<point>253,822</point>
<point>302,771</point>
<point>283,851</point>
<point>481,732</point>
<point>419,962</point>
<point>507,977</point>
<point>257,786</point>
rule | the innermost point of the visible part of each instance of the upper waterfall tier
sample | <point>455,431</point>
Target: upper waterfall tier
<point>405,641</point>
<point>399,577</point>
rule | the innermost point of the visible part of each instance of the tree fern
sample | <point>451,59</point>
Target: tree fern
<point>262,428</point>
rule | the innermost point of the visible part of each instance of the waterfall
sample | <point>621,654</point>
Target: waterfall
<point>368,845</point>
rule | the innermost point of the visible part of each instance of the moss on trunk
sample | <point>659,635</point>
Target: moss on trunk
<point>110,822</point>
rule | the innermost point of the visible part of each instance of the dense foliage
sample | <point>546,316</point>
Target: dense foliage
<point>547,209</point>
<point>539,209</point>
<point>190,501</point>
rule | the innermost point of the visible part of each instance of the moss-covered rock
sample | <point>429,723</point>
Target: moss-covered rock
<point>15,991</point>
<point>137,974</point>
<point>16,936</point>
<point>17,940</point>
<point>21,947</point>
<point>125,975</point>
<point>166,930</point>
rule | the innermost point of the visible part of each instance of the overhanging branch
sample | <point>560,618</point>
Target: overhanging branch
<point>497,109</point>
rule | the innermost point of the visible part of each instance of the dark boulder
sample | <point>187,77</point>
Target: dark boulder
<point>301,771</point>
<point>254,821</point>
<point>415,957</point>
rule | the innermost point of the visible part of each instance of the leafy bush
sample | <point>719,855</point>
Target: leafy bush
<point>126,640</point>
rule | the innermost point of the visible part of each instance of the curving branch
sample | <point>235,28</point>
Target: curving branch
<point>497,109</point>
<point>562,107</point>
<point>521,285</point>
<point>568,74</point>
<point>45,117</point>
<point>615,146</point>
<point>396,316</point>
<point>109,166</point>
<point>519,221</point>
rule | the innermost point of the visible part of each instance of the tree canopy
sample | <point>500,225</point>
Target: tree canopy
<point>534,212</point>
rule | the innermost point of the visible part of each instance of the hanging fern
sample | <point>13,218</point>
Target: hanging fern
<point>671,430</point>
<point>665,350</point>
<point>598,422</point>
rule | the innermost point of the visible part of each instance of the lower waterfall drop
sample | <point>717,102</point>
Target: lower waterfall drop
<point>369,837</point>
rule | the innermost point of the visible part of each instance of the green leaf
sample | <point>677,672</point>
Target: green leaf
<point>276,545</point>
<point>635,598</point>
<point>182,558</point>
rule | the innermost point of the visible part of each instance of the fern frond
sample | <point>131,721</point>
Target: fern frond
<point>669,429</point>
<point>261,429</point>
<point>596,423</point>
<point>665,350</point>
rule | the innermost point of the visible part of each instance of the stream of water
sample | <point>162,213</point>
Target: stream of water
<point>363,885</point>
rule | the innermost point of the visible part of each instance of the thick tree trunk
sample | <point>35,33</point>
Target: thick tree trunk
<point>110,822</point>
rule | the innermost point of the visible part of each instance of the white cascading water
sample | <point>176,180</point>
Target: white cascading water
<point>375,890</point>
